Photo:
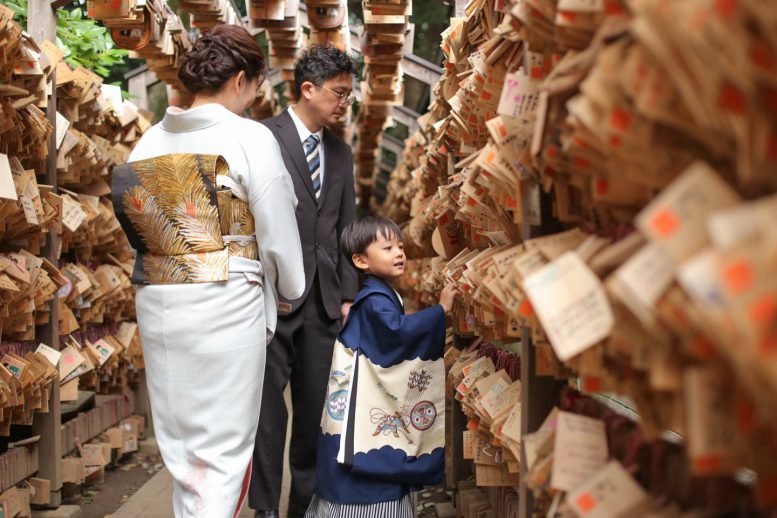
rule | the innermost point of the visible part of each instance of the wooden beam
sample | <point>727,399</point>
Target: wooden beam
<point>253,31</point>
<point>406,116</point>
<point>460,6</point>
<point>539,394</point>
<point>41,21</point>
<point>138,91</point>
<point>394,145</point>
<point>42,25</point>
<point>303,15</point>
<point>414,66</point>
<point>274,76</point>
<point>421,69</point>
<point>356,38</point>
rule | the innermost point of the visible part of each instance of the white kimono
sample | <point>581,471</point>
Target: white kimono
<point>205,344</point>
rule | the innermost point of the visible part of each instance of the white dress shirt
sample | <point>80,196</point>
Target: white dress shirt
<point>304,133</point>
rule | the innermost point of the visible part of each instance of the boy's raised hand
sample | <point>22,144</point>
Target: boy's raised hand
<point>447,295</point>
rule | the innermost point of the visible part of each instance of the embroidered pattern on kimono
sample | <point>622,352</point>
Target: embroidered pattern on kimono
<point>383,426</point>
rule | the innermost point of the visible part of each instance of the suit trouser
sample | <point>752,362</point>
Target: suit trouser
<point>300,353</point>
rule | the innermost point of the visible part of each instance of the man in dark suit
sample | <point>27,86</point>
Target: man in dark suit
<point>321,167</point>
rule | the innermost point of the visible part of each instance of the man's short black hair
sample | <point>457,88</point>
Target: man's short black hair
<point>362,232</point>
<point>319,64</point>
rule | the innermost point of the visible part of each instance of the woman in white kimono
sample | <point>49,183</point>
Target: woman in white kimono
<point>204,342</point>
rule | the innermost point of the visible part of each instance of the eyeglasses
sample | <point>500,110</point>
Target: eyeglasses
<point>343,99</point>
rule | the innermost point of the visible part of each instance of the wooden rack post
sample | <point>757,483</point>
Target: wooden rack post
<point>459,469</point>
<point>538,393</point>
<point>42,25</point>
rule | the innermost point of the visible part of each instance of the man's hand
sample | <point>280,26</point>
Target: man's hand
<point>345,308</point>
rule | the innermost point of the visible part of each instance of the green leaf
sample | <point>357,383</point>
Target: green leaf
<point>86,42</point>
<point>19,8</point>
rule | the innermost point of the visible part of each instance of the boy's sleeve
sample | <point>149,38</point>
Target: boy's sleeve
<point>393,465</point>
<point>389,337</point>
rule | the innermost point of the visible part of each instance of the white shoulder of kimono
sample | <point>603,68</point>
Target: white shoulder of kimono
<point>261,147</point>
<point>145,146</point>
<point>252,130</point>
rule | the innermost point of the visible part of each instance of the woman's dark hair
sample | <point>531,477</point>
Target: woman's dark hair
<point>362,232</point>
<point>319,64</point>
<point>217,56</point>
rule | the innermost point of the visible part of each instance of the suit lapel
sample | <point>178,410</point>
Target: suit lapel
<point>289,137</point>
<point>329,161</point>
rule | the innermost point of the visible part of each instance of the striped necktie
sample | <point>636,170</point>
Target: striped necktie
<point>314,162</point>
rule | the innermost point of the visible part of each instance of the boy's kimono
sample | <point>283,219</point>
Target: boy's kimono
<point>382,430</point>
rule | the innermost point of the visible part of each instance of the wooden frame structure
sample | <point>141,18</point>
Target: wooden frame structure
<point>538,394</point>
<point>42,25</point>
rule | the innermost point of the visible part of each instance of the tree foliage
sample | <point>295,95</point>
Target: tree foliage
<point>84,41</point>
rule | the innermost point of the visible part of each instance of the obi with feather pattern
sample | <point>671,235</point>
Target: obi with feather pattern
<point>185,217</point>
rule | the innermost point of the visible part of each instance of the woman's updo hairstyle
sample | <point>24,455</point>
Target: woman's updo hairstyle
<point>217,56</point>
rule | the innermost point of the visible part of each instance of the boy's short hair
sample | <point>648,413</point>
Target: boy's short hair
<point>362,232</point>
<point>319,64</point>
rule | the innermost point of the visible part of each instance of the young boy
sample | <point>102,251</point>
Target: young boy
<point>394,359</point>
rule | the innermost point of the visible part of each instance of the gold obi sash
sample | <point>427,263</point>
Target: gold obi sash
<point>185,216</point>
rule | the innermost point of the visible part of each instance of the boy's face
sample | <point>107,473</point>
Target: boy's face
<point>384,258</point>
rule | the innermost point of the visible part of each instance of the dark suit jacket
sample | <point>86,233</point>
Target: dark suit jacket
<point>321,222</point>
